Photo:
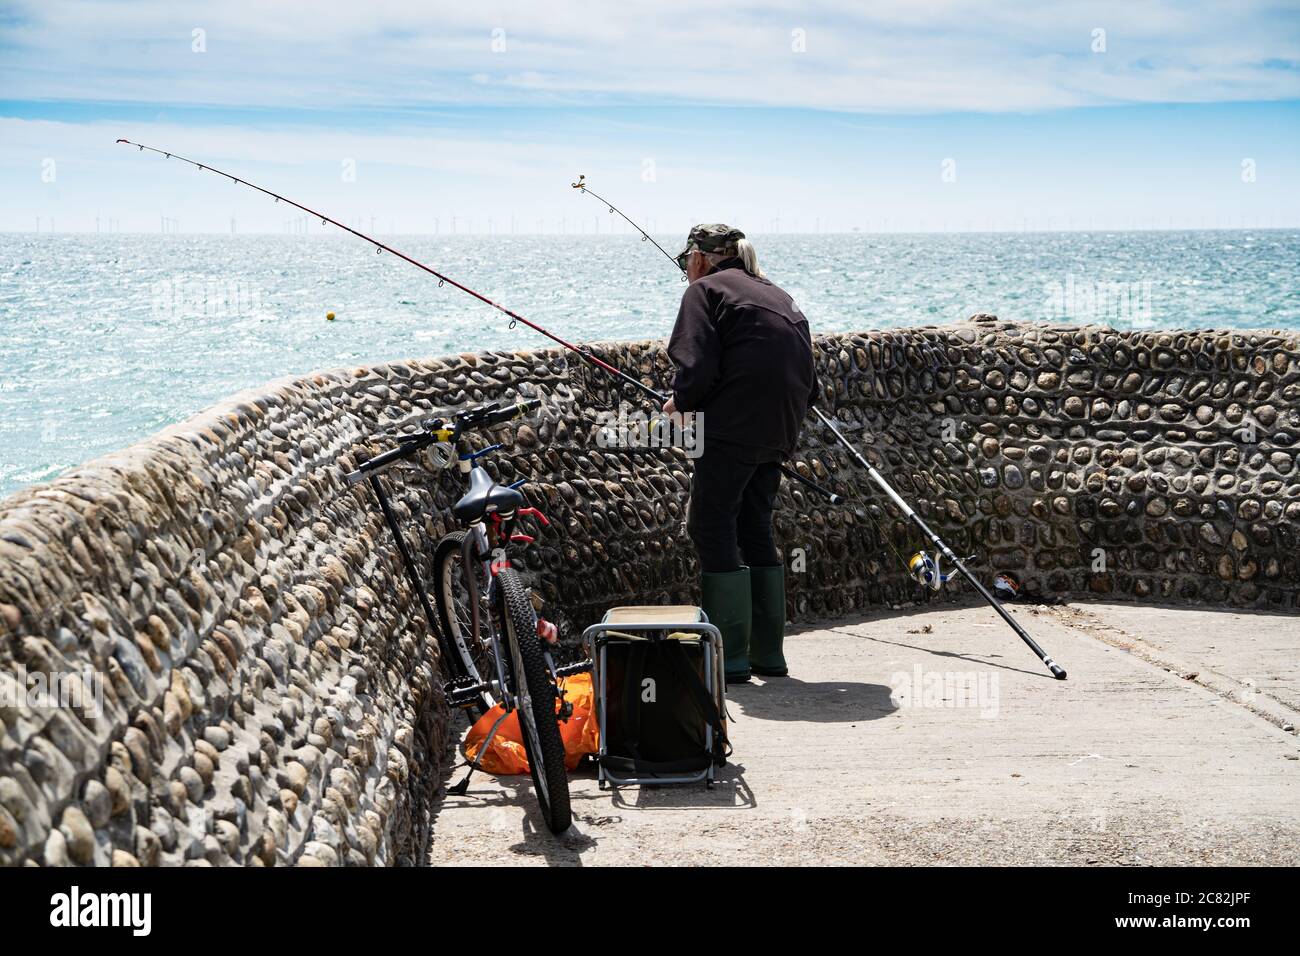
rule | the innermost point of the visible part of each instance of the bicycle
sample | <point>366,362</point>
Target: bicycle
<point>496,645</point>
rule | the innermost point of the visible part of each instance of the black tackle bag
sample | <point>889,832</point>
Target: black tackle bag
<point>658,709</point>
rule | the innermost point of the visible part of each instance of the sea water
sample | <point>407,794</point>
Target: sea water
<point>104,339</point>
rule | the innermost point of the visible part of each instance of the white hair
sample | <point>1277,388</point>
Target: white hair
<point>747,254</point>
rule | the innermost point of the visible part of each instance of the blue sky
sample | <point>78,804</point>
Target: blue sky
<point>838,116</point>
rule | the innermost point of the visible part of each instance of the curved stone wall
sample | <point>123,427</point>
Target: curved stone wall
<point>269,694</point>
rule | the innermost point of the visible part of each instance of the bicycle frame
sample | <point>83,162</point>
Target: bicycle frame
<point>478,564</point>
<point>482,552</point>
<point>472,552</point>
<point>449,438</point>
<point>413,575</point>
<point>483,557</point>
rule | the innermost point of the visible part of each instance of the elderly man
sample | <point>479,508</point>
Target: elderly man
<point>744,361</point>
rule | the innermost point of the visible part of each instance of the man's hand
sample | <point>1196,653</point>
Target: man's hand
<point>670,407</point>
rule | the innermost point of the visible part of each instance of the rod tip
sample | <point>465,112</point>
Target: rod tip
<point>1057,671</point>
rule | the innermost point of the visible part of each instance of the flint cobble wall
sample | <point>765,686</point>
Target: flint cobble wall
<point>270,694</point>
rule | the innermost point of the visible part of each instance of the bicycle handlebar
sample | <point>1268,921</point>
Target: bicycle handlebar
<point>486,416</point>
<point>436,429</point>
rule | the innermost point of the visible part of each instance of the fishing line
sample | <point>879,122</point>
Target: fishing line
<point>514,316</point>
<point>581,186</point>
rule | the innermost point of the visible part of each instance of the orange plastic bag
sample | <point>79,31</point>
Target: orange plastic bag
<point>505,755</point>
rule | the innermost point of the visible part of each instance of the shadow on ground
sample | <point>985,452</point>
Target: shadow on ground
<point>507,805</point>
<point>789,698</point>
<point>859,626</point>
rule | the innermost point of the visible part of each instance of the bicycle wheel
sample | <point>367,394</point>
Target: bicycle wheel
<point>469,653</point>
<point>535,699</point>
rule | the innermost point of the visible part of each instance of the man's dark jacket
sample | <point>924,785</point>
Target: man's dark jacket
<point>744,358</point>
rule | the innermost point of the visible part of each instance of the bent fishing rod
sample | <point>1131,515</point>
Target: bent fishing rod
<point>584,353</point>
<point>581,186</point>
<point>910,513</point>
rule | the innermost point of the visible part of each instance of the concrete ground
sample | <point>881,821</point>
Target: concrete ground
<point>935,737</point>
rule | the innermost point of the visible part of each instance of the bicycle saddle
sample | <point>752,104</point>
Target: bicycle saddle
<point>485,496</point>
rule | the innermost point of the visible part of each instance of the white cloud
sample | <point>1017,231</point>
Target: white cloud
<point>400,89</point>
<point>890,56</point>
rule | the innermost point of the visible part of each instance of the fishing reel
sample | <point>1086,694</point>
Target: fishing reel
<point>927,572</point>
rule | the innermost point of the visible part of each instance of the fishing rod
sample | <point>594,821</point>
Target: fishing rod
<point>1057,670</point>
<point>584,353</point>
<point>581,186</point>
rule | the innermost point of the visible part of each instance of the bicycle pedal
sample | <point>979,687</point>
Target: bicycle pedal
<point>462,691</point>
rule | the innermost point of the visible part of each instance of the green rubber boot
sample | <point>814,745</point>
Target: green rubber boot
<point>767,634</point>
<point>726,601</point>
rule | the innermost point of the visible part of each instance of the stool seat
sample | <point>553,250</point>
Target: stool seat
<point>663,614</point>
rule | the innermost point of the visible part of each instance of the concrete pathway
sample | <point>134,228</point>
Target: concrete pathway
<point>935,737</point>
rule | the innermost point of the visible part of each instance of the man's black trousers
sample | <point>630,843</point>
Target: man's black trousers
<point>730,514</point>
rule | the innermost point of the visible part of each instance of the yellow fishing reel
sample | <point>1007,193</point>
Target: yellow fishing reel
<point>925,570</point>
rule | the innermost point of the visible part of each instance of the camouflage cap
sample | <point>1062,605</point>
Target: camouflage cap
<point>710,237</point>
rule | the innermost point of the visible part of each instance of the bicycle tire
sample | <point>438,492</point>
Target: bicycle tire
<point>535,697</point>
<point>446,589</point>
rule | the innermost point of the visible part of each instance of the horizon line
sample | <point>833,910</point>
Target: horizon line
<point>633,236</point>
